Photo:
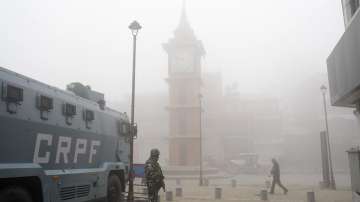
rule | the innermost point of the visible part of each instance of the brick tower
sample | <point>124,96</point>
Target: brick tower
<point>184,80</point>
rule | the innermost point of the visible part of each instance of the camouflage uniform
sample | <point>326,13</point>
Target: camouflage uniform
<point>154,176</point>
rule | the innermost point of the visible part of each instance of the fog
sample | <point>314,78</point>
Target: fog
<point>267,55</point>
<point>89,41</point>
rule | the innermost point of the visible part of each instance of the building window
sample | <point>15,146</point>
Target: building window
<point>182,125</point>
<point>181,96</point>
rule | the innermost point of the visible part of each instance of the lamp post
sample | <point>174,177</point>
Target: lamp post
<point>201,181</point>
<point>332,180</point>
<point>134,27</point>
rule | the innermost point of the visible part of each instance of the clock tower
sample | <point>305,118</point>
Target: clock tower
<point>184,79</point>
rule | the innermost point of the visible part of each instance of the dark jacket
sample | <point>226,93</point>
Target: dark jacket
<point>275,171</point>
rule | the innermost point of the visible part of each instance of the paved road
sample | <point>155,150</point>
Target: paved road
<point>341,179</point>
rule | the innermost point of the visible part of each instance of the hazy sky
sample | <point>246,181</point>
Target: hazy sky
<point>263,45</point>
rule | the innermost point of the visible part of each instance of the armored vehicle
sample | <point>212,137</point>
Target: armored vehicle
<point>60,145</point>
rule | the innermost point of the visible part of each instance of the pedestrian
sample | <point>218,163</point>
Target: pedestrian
<point>275,172</point>
<point>154,176</point>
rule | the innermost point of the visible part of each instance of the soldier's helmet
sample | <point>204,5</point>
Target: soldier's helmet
<point>154,152</point>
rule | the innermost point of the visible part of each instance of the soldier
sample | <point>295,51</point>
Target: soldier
<point>154,176</point>
<point>275,172</point>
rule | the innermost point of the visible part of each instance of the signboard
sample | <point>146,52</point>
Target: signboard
<point>139,170</point>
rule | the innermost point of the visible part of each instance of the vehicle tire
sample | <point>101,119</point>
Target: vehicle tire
<point>15,194</point>
<point>114,190</point>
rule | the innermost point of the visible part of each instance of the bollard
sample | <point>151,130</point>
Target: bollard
<point>267,184</point>
<point>311,196</point>
<point>263,195</point>
<point>178,182</point>
<point>206,182</point>
<point>233,183</point>
<point>178,192</point>
<point>169,196</point>
<point>218,193</point>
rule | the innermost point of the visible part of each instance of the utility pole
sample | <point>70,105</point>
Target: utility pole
<point>332,179</point>
<point>200,130</point>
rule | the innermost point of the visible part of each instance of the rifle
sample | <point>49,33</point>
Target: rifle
<point>160,184</point>
<point>163,184</point>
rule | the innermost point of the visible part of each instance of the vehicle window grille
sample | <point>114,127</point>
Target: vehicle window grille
<point>13,96</point>
<point>45,103</point>
<point>88,116</point>
<point>67,193</point>
<point>69,111</point>
<point>82,191</point>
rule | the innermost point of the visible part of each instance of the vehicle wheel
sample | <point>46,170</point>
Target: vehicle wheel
<point>114,191</point>
<point>15,194</point>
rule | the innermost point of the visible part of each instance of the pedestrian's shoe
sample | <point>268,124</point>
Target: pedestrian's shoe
<point>271,192</point>
<point>286,191</point>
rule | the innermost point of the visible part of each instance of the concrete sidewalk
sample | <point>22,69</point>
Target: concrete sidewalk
<point>297,193</point>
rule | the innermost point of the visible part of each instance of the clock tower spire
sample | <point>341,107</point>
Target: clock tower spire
<point>184,28</point>
<point>184,79</point>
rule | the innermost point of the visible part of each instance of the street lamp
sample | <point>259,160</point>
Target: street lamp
<point>201,181</point>
<point>332,180</point>
<point>134,27</point>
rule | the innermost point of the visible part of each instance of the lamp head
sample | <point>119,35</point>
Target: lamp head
<point>134,27</point>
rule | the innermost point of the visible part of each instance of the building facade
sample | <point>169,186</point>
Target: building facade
<point>344,78</point>
<point>184,80</point>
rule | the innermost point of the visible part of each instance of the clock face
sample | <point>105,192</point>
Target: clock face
<point>183,62</point>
